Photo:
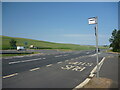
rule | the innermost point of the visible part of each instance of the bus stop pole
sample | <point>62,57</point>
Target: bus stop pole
<point>96,34</point>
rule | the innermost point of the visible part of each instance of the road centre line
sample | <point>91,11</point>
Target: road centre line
<point>59,62</point>
<point>34,69</point>
<point>65,55</point>
<point>57,56</point>
<point>49,65</point>
<point>10,75</point>
<point>87,52</point>
<point>24,61</point>
<point>66,60</point>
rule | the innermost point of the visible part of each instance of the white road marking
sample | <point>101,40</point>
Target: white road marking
<point>87,64</point>
<point>72,59</point>
<point>77,68</point>
<point>101,63</point>
<point>91,75</point>
<point>83,63</point>
<point>43,58</point>
<point>66,60</point>
<point>14,62</point>
<point>67,67</point>
<point>74,63</point>
<point>79,63</point>
<point>49,65</point>
<point>77,58</point>
<point>87,52</point>
<point>57,56</point>
<point>34,69</point>
<point>82,84</point>
<point>82,68</point>
<point>24,61</point>
<point>91,64</point>
<point>59,62</point>
<point>93,55</point>
<point>10,75</point>
<point>65,55</point>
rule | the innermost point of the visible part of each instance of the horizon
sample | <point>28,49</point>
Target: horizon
<point>49,41</point>
<point>60,22</point>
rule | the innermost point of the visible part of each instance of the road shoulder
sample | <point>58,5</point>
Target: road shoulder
<point>108,75</point>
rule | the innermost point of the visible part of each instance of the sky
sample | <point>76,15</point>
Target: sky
<point>60,22</point>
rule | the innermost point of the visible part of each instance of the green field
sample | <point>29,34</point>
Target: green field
<point>42,44</point>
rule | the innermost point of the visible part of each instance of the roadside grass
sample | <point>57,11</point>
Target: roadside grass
<point>110,51</point>
<point>43,44</point>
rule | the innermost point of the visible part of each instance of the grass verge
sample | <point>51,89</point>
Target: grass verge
<point>42,44</point>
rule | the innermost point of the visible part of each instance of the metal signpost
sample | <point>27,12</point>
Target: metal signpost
<point>94,20</point>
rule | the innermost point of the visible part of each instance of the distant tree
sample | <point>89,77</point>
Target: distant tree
<point>115,40</point>
<point>13,43</point>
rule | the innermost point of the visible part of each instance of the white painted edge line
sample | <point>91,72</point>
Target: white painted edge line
<point>10,75</point>
<point>101,63</point>
<point>56,56</point>
<point>82,84</point>
<point>91,75</point>
<point>34,69</point>
<point>49,65</point>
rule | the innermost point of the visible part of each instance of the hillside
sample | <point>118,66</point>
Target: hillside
<point>42,44</point>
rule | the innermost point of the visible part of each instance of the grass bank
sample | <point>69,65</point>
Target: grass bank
<point>42,44</point>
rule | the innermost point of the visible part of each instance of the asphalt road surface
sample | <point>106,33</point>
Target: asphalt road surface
<point>56,70</point>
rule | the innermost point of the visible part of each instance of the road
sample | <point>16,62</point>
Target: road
<point>50,70</point>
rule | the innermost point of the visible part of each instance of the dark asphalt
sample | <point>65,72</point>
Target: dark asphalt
<point>110,70</point>
<point>49,59</point>
<point>64,70</point>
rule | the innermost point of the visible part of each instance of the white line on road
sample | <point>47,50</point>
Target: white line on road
<point>91,74</point>
<point>34,69</point>
<point>65,55</point>
<point>72,59</point>
<point>24,61</point>
<point>10,75</point>
<point>87,52</point>
<point>59,62</point>
<point>66,60</point>
<point>93,55</point>
<point>82,68</point>
<point>49,65</point>
<point>57,56</point>
<point>83,63</point>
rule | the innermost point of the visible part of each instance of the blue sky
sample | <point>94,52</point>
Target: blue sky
<point>61,22</point>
